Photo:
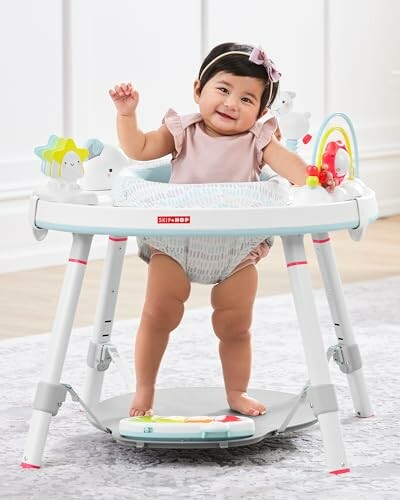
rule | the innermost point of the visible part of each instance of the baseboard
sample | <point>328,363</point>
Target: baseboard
<point>54,255</point>
<point>389,207</point>
<point>19,250</point>
<point>382,174</point>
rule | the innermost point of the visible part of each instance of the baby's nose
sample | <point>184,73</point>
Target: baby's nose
<point>230,101</point>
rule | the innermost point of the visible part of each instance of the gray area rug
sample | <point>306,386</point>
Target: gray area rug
<point>81,462</point>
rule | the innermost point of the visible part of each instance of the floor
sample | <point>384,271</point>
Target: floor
<point>29,298</point>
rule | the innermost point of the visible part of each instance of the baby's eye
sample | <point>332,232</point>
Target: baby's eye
<point>224,90</point>
<point>247,99</point>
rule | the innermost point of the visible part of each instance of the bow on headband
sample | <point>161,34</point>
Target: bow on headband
<point>258,56</point>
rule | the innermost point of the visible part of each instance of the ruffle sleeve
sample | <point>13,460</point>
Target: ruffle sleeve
<point>177,125</point>
<point>263,133</point>
<point>173,123</point>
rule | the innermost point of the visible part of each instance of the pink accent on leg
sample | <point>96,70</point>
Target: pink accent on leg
<point>25,465</point>
<point>339,471</point>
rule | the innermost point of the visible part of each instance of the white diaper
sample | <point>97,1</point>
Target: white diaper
<point>205,259</point>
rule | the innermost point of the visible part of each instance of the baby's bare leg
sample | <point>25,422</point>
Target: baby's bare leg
<point>168,288</point>
<point>233,300</point>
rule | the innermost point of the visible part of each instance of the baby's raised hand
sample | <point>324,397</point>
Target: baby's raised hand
<point>327,179</point>
<point>125,98</point>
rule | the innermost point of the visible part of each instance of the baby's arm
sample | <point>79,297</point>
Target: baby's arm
<point>290,165</point>
<point>285,163</point>
<point>135,143</point>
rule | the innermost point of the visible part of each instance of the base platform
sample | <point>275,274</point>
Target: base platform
<point>192,401</point>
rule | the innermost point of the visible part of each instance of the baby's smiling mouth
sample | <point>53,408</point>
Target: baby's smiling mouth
<point>227,117</point>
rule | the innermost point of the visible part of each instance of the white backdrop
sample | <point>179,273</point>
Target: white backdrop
<point>153,44</point>
<point>290,43</point>
<point>30,84</point>
<point>337,55</point>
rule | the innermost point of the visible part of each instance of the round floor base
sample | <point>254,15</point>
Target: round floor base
<point>192,401</point>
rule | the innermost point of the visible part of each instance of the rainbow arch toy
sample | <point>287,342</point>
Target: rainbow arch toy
<point>340,157</point>
<point>350,140</point>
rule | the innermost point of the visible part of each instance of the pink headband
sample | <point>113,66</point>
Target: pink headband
<point>257,56</point>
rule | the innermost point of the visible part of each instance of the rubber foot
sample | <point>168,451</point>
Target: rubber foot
<point>339,471</point>
<point>25,465</point>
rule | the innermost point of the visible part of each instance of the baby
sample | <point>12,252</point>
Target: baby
<point>224,142</point>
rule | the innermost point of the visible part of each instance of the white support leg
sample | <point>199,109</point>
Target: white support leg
<point>341,319</point>
<point>314,349</point>
<point>59,340</point>
<point>104,315</point>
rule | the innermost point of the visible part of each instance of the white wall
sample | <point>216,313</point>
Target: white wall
<point>136,41</point>
<point>363,57</point>
<point>337,55</point>
<point>30,86</point>
<point>287,30</point>
<point>112,41</point>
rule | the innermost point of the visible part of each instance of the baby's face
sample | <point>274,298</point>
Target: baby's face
<point>229,104</point>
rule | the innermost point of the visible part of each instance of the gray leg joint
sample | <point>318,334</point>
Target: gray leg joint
<point>49,397</point>
<point>98,356</point>
<point>347,357</point>
<point>322,398</point>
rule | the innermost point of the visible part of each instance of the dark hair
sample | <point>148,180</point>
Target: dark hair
<point>239,65</point>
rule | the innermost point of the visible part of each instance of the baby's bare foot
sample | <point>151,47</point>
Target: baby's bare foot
<point>142,402</point>
<point>244,404</point>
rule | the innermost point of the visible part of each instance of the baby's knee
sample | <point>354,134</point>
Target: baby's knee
<point>232,324</point>
<point>164,316</point>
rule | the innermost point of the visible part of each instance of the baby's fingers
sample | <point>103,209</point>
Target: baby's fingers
<point>130,91</point>
<point>119,90</point>
<point>329,184</point>
<point>125,89</point>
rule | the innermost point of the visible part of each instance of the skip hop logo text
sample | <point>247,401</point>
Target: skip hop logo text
<point>173,219</point>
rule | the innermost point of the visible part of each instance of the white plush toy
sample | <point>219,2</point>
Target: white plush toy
<point>294,126</point>
<point>101,170</point>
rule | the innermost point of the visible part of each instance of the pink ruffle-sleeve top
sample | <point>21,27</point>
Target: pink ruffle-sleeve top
<point>201,158</point>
